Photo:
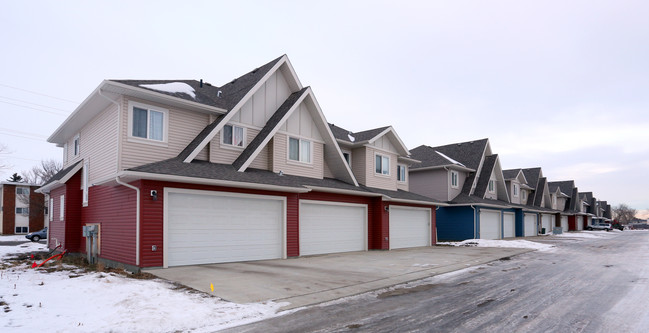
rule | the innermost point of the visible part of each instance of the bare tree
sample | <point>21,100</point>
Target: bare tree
<point>623,213</point>
<point>40,174</point>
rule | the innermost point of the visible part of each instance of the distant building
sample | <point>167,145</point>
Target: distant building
<point>21,208</point>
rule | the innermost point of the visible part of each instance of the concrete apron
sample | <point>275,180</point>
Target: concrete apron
<point>311,280</point>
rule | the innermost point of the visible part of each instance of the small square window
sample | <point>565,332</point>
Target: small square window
<point>401,173</point>
<point>76,145</point>
<point>22,230</point>
<point>382,165</point>
<point>233,135</point>
<point>348,158</point>
<point>299,150</point>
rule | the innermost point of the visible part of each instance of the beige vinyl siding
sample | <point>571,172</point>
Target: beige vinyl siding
<point>261,161</point>
<point>494,195</point>
<point>98,143</point>
<point>515,199</point>
<point>183,128</point>
<point>327,172</point>
<point>281,163</point>
<point>225,154</point>
<point>378,180</point>
<point>385,144</point>
<point>358,165</point>
<point>263,104</point>
<point>431,183</point>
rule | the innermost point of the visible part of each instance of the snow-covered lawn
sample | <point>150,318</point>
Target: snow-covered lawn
<point>13,238</point>
<point>589,234</point>
<point>525,244</point>
<point>70,299</point>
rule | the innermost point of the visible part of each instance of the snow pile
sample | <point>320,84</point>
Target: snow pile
<point>524,244</point>
<point>71,300</point>
<point>450,159</point>
<point>172,87</point>
<point>351,138</point>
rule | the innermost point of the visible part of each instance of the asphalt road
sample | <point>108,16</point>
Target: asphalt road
<point>584,285</point>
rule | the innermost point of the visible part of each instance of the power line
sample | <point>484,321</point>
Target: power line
<point>23,133</point>
<point>23,136</point>
<point>29,107</point>
<point>37,93</point>
<point>45,106</point>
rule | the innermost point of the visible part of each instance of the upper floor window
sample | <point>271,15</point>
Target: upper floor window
<point>233,135</point>
<point>492,187</point>
<point>382,165</point>
<point>348,158</point>
<point>515,190</point>
<point>148,122</point>
<point>401,173</point>
<point>454,179</point>
<point>524,195</point>
<point>299,150</point>
<point>61,207</point>
<point>554,201</point>
<point>22,190</point>
<point>22,210</point>
<point>76,145</point>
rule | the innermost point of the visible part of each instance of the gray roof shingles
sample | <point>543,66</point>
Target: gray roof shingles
<point>468,153</point>
<point>61,174</point>
<point>485,175</point>
<point>343,134</point>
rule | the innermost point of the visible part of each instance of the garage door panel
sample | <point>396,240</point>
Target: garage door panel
<point>490,225</point>
<point>409,227</point>
<point>530,224</point>
<point>212,228</point>
<point>509,225</point>
<point>330,228</point>
<point>564,223</point>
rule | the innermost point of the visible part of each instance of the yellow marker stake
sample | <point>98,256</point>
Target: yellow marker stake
<point>211,287</point>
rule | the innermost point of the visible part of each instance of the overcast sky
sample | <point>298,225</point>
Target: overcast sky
<point>563,85</point>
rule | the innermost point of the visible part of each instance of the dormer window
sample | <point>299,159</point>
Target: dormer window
<point>492,187</point>
<point>524,195</point>
<point>233,135</point>
<point>348,158</point>
<point>515,190</point>
<point>299,150</point>
<point>382,164</point>
<point>454,179</point>
<point>554,201</point>
<point>401,173</point>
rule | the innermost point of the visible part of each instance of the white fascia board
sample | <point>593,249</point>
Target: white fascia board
<point>209,108</point>
<point>408,159</point>
<point>236,109</point>
<point>480,204</point>
<point>206,181</point>
<point>53,137</point>
<point>448,166</point>
<point>342,191</point>
<point>270,135</point>
<point>332,138</point>
<point>62,181</point>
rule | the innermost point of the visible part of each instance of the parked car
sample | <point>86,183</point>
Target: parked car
<point>600,226</point>
<point>37,235</point>
<point>617,225</point>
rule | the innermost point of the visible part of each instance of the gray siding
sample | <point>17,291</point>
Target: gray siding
<point>431,183</point>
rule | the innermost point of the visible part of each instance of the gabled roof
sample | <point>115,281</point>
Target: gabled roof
<point>469,154</point>
<point>564,186</point>
<point>347,138</point>
<point>510,174</point>
<point>61,177</point>
<point>540,189</point>
<point>532,175</point>
<point>485,175</point>
<point>269,129</point>
<point>231,92</point>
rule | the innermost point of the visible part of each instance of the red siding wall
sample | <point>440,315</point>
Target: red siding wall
<point>292,225</point>
<point>572,223</point>
<point>113,207</point>
<point>56,229</point>
<point>8,209</point>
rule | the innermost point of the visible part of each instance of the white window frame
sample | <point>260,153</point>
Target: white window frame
<point>85,184</point>
<point>228,145</point>
<point>22,190</point>
<point>400,168</point>
<point>21,232</point>
<point>300,156</point>
<point>76,145</point>
<point>149,108</point>
<point>516,190</point>
<point>61,207</point>
<point>348,159</point>
<point>50,210</point>
<point>22,210</point>
<point>455,179</point>
<point>383,158</point>
<point>492,186</point>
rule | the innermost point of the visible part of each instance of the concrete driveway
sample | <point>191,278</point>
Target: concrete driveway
<point>316,279</point>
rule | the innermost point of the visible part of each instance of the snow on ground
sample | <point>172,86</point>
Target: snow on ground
<point>500,243</point>
<point>13,238</point>
<point>5,251</point>
<point>172,87</point>
<point>78,301</point>
<point>587,234</point>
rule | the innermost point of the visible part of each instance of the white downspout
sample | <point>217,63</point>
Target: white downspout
<point>137,219</point>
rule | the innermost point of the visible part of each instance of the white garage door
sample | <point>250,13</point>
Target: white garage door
<point>564,223</point>
<point>546,223</point>
<point>580,223</point>
<point>489,224</point>
<point>210,227</point>
<point>509,225</point>
<point>530,225</point>
<point>332,227</point>
<point>409,227</point>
